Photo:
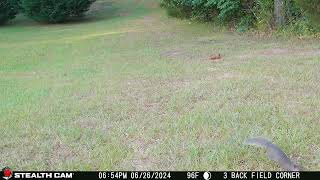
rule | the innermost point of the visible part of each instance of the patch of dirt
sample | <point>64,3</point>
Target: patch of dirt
<point>60,152</point>
<point>85,95</point>
<point>173,53</point>
<point>276,51</point>
<point>210,41</point>
<point>141,161</point>
<point>91,123</point>
<point>287,51</point>
<point>229,75</point>
<point>280,52</point>
<point>179,54</point>
<point>190,55</point>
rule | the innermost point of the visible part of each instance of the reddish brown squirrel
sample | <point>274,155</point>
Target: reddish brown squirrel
<point>215,57</point>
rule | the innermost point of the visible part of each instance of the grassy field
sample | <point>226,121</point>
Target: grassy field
<point>131,89</point>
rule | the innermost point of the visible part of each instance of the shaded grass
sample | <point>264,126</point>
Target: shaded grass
<point>135,90</point>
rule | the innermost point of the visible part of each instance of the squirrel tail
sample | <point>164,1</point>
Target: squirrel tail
<point>274,153</point>
<point>258,141</point>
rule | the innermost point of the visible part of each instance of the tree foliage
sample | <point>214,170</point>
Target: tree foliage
<point>7,11</point>
<point>312,8</point>
<point>54,11</point>
<point>245,14</point>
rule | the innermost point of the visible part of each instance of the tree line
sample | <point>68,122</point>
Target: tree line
<point>49,11</point>
<point>302,16</point>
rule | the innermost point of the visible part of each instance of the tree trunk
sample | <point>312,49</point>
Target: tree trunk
<point>279,12</point>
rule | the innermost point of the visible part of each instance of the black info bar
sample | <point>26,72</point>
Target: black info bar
<point>196,175</point>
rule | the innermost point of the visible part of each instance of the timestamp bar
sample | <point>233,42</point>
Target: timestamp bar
<point>165,175</point>
<point>207,175</point>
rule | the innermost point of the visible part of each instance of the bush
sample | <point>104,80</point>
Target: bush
<point>263,12</point>
<point>245,14</point>
<point>54,11</point>
<point>178,8</point>
<point>7,11</point>
<point>311,8</point>
<point>204,10</point>
<point>16,5</point>
<point>229,10</point>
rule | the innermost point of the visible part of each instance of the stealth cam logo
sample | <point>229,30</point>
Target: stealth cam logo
<point>6,173</point>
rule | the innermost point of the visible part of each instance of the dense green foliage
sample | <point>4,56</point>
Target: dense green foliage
<point>7,11</point>
<point>311,7</point>
<point>16,4</point>
<point>54,11</point>
<point>245,14</point>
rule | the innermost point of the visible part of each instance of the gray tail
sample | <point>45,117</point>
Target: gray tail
<point>258,141</point>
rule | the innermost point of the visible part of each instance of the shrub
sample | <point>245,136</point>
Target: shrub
<point>263,12</point>
<point>7,11</point>
<point>178,8</point>
<point>311,8</point>
<point>245,14</point>
<point>228,9</point>
<point>204,10</point>
<point>54,11</point>
<point>16,4</point>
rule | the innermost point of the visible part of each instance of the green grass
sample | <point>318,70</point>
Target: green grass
<point>131,89</point>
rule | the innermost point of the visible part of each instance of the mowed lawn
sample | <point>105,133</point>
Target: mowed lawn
<point>129,88</point>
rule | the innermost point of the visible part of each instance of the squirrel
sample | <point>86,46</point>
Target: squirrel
<point>215,57</point>
<point>274,153</point>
